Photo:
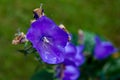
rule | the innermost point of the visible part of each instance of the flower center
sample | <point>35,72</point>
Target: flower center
<point>45,40</point>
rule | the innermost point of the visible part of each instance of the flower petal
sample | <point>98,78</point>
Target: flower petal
<point>51,53</point>
<point>79,58</point>
<point>70,50</point>
<point>71,73</point>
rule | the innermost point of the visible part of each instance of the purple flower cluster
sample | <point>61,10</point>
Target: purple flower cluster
<point>73,59</point>
<point>48,39</point>
<point>52,44</point>
<point>104,49</point>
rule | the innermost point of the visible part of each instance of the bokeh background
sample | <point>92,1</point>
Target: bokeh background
<point>98,16</point>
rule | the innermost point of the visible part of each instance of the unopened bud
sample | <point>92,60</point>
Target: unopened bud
<point>80,36</point>
<point>19,38</point>
<point>38,12</point>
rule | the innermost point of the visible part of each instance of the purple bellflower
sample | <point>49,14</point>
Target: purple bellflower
<point>73,58</point>
<point>104,49</point>
<point>48,39</point>
<point>67,71</point>
<point>74,53</point>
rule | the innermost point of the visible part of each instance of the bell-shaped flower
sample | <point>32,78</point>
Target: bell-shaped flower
<point>48,39</point>
<point>103,49</point>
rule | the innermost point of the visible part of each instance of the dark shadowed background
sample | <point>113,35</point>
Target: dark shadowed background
<point>99,16</point>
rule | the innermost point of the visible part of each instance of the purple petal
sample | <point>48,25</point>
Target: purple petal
<point>70,50</point>
<point>51,53</point>
<point>60,36</point>
<point>69,62</point>
<point>71,73</point>
<point>97,40</point>
<point>79,58</point>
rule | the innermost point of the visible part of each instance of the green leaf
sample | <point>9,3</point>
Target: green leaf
<point>112,69</point>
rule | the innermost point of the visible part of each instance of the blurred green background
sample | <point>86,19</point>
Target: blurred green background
<point>99,16</point>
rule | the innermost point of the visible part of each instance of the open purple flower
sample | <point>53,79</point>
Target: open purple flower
<point>74,53</point>
<point>48,39</point>
<point>68,70</point>
<point>103,49</point>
